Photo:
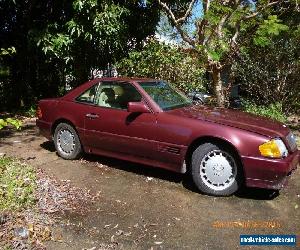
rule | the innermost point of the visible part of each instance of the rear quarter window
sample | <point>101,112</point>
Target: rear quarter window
<point>89,95</point>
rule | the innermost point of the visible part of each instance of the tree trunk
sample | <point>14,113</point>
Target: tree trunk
<point>218,87</point>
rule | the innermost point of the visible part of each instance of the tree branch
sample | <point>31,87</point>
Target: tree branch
<point>201,25</point>
<point>233,40</point>
<point>254,14</point>
<point>171,14</point>
<point>206,5</point>
<point>221,24</point>
<point>177,22</point>
<point>236,34</point>
<point>187,13</point>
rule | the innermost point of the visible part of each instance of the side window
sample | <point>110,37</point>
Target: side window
<point>89,95</point>
<point>117,95</point>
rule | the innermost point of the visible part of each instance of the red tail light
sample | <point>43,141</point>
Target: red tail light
<point>39,113</point>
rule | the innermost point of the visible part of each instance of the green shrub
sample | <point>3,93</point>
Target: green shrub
<point>167,62</point>
<point>14,122</point>
<point>273,111</point>
<point>271,74</point>
<point>17,185</point>
<point>31,111</point>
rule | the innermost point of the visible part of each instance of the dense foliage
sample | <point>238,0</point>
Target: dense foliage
<point>162,61</point>
<point>224,30</point>
<point>8,121</point>
<point>270,74</point>
<point>59,40</point>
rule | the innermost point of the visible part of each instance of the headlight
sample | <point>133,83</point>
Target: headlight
<point>274,148</point>
<point>291,140</point>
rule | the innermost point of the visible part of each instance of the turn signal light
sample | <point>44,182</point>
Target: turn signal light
<point>39,113</point>
<point>274,148</point>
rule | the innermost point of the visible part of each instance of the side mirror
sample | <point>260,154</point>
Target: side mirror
<point>137,107</point>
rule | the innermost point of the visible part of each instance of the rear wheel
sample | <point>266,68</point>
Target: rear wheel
<point>67,142</point>
<point>215,170</point>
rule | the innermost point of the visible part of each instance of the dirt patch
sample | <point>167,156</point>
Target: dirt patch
<point>147,208</point>
<point>27,220</point>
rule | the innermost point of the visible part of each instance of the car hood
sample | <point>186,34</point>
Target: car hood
<point>234,118</point>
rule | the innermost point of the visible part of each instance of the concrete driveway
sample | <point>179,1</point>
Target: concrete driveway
<point>147,208</point>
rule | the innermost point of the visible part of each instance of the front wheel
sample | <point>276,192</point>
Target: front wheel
<point>67,142</point>
<point>215,170</point>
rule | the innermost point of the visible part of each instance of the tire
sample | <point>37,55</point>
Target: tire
<point>216,170</point>
<point>67,142</point>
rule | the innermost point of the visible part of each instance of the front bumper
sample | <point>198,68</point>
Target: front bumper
<point>269,173</point>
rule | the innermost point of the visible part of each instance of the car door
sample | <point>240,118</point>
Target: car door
<point>109,127</point>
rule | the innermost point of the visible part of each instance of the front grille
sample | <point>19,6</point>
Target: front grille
<point>291,140</point>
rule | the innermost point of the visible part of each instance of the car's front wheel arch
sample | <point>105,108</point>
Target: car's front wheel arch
<point>223,144</point>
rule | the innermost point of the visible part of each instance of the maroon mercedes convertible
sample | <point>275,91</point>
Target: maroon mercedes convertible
<point>148,121</point>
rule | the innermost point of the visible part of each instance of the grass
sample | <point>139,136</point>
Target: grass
<point>17,185</point>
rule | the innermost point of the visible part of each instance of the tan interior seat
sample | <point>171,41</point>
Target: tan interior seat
<point>119,91</point>
<point>106,98</point>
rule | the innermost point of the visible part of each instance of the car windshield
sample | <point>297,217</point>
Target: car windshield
<point>165,95</point>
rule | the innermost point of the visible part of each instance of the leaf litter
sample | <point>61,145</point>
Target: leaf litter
<point>30,228</point>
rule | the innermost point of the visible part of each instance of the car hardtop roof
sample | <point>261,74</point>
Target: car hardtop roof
<point>78,90</point>
<point>127,79</point>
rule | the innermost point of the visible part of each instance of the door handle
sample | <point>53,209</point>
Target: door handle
<point>92,116</point>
